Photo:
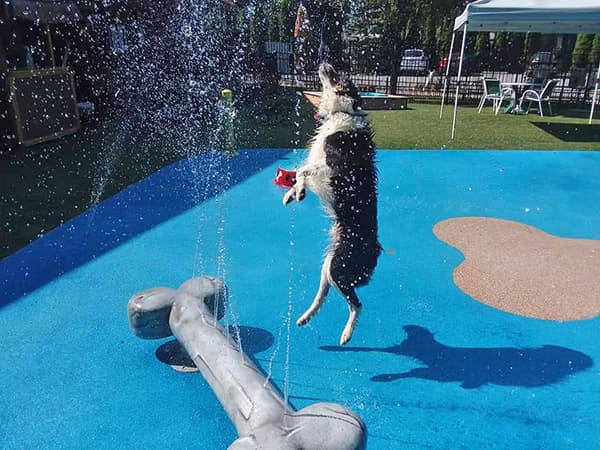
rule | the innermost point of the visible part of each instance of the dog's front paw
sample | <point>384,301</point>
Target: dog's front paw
<point>301,194</point>
<point>347,334</point>
<point>289,196</point>
<point>303,320</point>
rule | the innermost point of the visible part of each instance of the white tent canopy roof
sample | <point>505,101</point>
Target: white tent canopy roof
<point>543,16</point>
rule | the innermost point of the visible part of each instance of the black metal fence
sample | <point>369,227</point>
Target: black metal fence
<point>574,87</point>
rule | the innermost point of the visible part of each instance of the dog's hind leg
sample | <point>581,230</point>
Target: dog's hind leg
<point>324,286</point>
<point>354,307</point>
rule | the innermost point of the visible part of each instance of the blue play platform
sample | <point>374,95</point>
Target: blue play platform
<point>427,368</point>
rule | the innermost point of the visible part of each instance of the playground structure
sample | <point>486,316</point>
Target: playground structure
<point>261,417</point>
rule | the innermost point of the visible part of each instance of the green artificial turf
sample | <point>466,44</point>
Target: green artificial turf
<point>45,185</point>
<point>420,127</point>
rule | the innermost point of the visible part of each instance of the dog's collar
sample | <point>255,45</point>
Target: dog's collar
<point>359,113</point>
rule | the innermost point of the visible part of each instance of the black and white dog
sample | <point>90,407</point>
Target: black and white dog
<point>340,170</point>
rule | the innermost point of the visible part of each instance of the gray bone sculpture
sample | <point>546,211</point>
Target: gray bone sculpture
<point>261,417</point>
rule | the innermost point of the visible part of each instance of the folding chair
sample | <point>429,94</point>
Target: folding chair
<point>531,95</point>
<point>491,91</point>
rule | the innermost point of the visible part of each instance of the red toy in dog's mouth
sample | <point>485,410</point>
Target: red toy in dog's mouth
<point>284,178</point>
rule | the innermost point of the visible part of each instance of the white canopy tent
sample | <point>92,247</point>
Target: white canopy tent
<point>542,16</point>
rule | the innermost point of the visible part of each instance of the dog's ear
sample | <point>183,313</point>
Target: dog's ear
<point>348,88</point>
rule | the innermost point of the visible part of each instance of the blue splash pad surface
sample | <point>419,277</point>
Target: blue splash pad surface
<point>428,366</point>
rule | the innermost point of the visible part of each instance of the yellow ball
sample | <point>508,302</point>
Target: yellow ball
<point>226,93</point>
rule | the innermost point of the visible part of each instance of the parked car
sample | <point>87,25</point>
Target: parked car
<point>543,65</point>
<point>414,60</point>
<point>470,64</point>
<point>542,59</point>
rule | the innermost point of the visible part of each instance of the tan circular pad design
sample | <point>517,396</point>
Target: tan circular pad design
<point>520,269</point>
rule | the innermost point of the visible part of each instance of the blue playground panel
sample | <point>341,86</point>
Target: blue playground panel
<point>428,366</point>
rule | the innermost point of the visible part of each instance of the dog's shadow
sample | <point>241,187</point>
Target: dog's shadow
<point>475,367</point>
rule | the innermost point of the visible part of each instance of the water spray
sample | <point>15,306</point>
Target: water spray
<point>228,125</point>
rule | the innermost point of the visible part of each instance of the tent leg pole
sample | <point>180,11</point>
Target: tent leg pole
<point>595,95</point>
<point>447,73</point>
<point>50,45</point>
<point>462,54</point>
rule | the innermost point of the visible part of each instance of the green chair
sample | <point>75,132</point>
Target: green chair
<point>493,92</point>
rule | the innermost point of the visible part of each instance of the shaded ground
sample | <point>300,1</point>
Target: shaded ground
<point>45,185</point>
<point>475,367</point>
<point>571,132</point>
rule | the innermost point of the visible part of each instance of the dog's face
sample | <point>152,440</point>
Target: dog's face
<point>339,94</point>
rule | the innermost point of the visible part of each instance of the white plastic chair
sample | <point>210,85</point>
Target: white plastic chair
<point>531,95</point>
<point>492,91</point>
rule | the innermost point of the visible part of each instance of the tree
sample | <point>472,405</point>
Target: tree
<point>376,31</point>
<point>499,55</point>
<point>594,57</point>
<point>363,32</point>
<point>283,15</point>
<point>583,47</point>
<point>391,35</point>
<point>442,14</point>
<point>331,33</point>
<point>482,49</point>
<point>516,45</point>
<point>531,45</point>
<point>256,33</point>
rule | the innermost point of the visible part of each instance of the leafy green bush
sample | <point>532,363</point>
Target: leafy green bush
<point>583,47</point>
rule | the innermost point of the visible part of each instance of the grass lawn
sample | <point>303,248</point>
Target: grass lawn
<point>45,185</point>
<point>420,127</point>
